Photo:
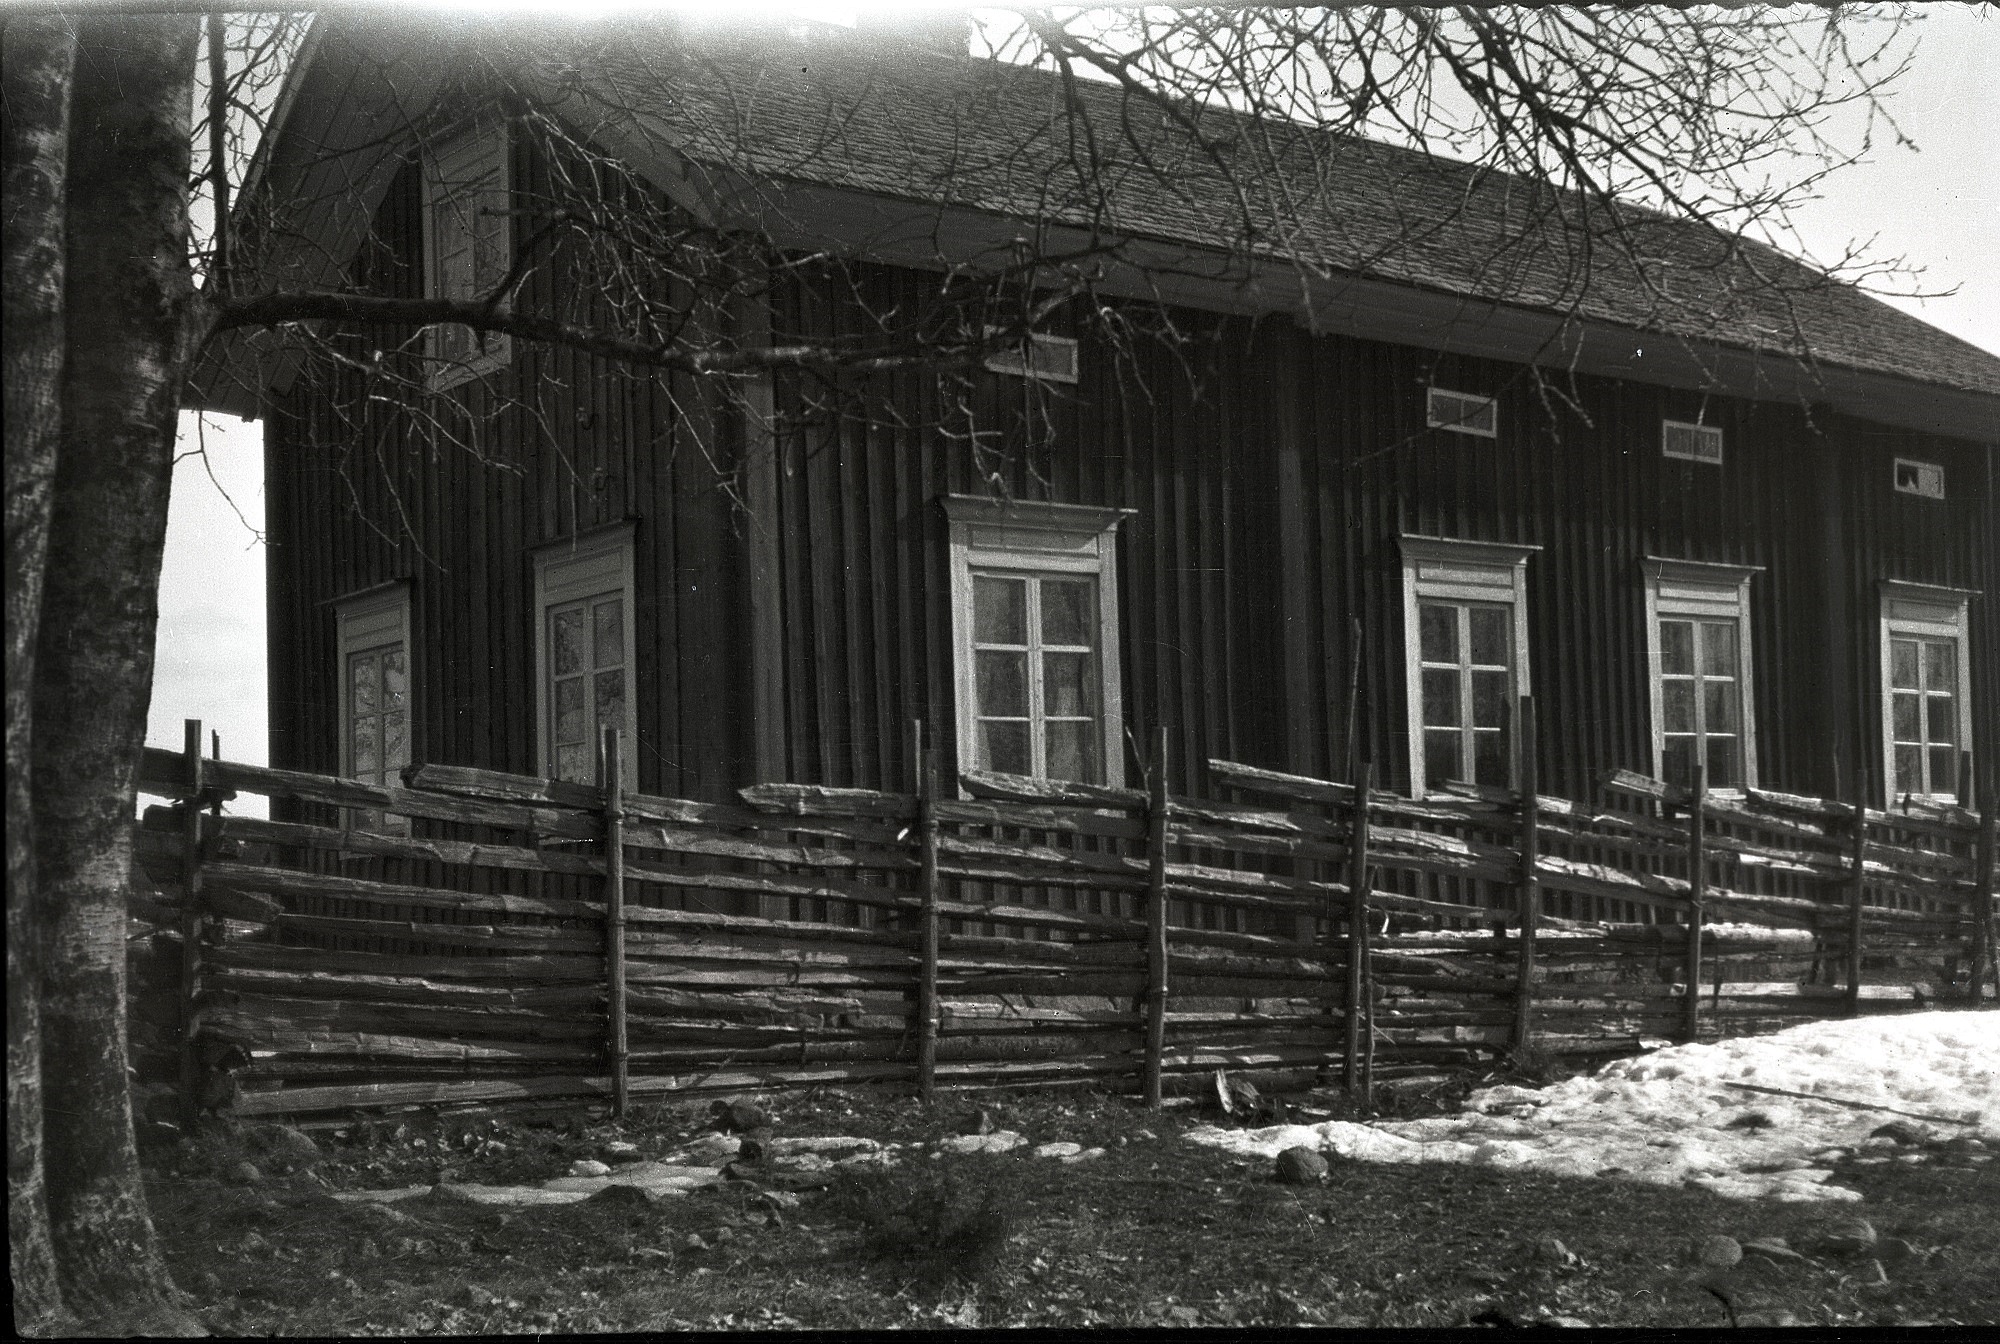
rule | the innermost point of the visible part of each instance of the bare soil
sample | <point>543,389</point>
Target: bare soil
<point>1158,1231</point>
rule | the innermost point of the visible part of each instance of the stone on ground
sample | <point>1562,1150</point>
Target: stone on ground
<point>824,1143</point>
<point>1849,1236</point>
<point>999,1141</point>
<point>1896,1251</point>
<point>1552,1250</point>
<point>1901,1131</point>
<point>1771,1248</point>
<point>1720,1252</point>
<point>624,1196</point>
<point>287,1144</point>
<point>737,1116</point>
<point>1769,1317</point>
<point>1301,1166</point>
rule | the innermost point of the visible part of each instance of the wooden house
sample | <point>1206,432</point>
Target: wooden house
<point>1729,514</point>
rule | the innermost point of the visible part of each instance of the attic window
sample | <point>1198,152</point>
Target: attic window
<point>468,245</point>
<point>1693,443</point>
<point>1919,478</point>
<point>1463,413</point>
<point>1044,357</point>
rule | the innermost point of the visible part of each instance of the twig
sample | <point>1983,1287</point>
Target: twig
<point>1851,1105</point>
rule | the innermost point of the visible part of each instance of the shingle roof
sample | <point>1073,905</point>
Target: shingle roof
<point>981,135</point>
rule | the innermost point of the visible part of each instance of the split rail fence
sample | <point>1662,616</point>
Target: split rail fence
<point>475,939</point>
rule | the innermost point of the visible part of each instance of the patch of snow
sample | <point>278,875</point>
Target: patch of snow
<point>825,1144</point>
<point>999,1141</point>
<point>1719,930</point>
<point>1671,1118</point>
<point>389,1196</point>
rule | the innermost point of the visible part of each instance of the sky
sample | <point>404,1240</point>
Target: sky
<point>1938,206</point>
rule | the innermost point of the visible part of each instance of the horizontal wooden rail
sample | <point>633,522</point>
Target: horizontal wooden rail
<point>459,960</point>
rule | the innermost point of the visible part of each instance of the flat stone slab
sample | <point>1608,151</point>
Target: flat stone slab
<point>824,1145</point>
<point>999,1141</point>
<point>379,1196</point>
<point>508,1194</point>
<point>652,1177</point>
<point>708,1150</point>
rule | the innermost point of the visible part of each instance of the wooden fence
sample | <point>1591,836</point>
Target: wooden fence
<point>475,939</point>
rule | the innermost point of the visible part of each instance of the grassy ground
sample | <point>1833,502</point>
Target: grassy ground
<point>1157,1232</point>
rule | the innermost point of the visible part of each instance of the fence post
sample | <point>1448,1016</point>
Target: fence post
<point>1986,956</point>
<point>1357,923</point>
<point>1531,892</point>
<point>1156,917</point>
<point>193,923</point>
<point>1367,1012</point>
<point>1857,880</point>
<point>1697,895</point>
<point>925,764</point>
<point>611,776</point>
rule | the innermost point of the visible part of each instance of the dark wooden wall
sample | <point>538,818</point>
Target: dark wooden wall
<point>1271,472</point>
<point>559,444</point>
<point>1577,470</point>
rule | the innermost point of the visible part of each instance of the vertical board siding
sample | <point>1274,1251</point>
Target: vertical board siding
<point>1270,470</point>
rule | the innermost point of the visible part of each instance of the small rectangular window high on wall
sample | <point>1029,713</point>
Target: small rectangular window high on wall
<point>373,641</point>
<point>1698,652</point>
<point>1462,413</point>
<point>1051,358</point>
<point>1465,614</point>
<point>584,650</point>
<point>1926,691</point>
<point>1924,479</point>
<point>1691,442</point>
<point>1035,638</point>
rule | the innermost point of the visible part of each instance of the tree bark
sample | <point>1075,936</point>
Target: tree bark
<point>40,55</point>
<point>128,303</point>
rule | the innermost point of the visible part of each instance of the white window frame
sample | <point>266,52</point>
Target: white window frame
<point>1461,424</point>
<point>1702,433</point>
<point>1929,482</point>
<point>479,156</point>
<point>588,566</point>
<point>1703,591</point>
<point>1915,610</point>
<point>1053,359</point>
<point>374,618</point>
<point>1037,539</point>
<point>1490,573</point>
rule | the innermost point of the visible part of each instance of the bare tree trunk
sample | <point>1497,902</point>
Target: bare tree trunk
<point>40,56</point>
<point>127,300</point>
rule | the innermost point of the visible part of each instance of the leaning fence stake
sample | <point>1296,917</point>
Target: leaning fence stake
<point>611,776</point>
<point>1857,891</point>
<point>1357,924</point>
<point>925,764</point>
<point>1531,894</point>
<point>1986,956</point>
<point>1697,897</point>
<point>192,925</point>
<point>1156,918</point>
